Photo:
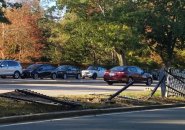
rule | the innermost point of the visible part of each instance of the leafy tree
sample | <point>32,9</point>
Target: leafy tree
<point>161,22</point>
<point>112,34</point>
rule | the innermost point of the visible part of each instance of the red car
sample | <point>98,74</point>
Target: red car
<point>127,74</point>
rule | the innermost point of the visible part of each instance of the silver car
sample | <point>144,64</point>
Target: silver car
<point>10,68</point>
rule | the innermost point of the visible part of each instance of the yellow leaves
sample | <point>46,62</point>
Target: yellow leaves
<point>69,18</point>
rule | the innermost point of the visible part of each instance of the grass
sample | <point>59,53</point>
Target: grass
<point>93,101</point>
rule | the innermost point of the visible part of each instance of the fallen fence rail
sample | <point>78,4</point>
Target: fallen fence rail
<point>31,96</point>
<point>121,90</point>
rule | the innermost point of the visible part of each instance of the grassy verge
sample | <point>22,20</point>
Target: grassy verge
<point>127,99</point>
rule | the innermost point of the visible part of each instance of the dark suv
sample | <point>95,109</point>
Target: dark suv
<point>127,74</point>
<point>10,68</point>
<point>36,71</point>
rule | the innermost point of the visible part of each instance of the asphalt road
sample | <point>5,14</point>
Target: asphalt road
<point>66,87</point>
<point>164,119</point>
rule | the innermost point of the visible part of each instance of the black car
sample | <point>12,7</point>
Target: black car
<point>36,71</point>
<point>65,71</point>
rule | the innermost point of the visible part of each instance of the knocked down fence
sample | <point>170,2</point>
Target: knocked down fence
<point>175,83</point>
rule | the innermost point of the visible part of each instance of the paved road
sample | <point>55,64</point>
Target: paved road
<point>166,119</point>
<point>65,87</point>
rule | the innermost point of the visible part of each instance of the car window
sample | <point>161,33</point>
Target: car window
<point>132,69</point>
<point>69,68</point>
<point>4,64</point>
<point>49,67</point>
<point>63,67</point>
<point>42,68</point>
<point>92,68</point>
<point>101,69</point>
<point>73,68</point>
<point>118,68</point>
<point>34,66</point>
<point>139,70</point>
<point>12,63</point>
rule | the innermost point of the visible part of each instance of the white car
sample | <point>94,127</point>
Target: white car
<point>93,72</point>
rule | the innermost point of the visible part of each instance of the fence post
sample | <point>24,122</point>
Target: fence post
<point>163,82</point>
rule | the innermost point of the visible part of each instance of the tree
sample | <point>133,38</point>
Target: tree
<point>111,33</point>
<point>161,22</point>
<point>22,38</point>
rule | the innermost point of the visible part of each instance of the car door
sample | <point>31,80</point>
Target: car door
<point>46,70</point>
<point>49,70</point>
<point>11,67</point>
<point>41,71</point>
<point>141,76</point>
<point>70,71</point>
<point>4,68</point>
<point>137,73</point>
<point>133,73</point>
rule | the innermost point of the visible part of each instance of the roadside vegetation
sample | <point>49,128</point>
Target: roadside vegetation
<point>126,99</point>
<point>105,32</point>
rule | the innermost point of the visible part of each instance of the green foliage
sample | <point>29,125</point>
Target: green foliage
<point>92,31</point>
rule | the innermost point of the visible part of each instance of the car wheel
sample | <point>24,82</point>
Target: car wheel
<point>35,76</point>
<point>130,79</point>
<point>78,76</point>
<point>149,81</point>
<point>65,76</point>
<point>94,76</point>
<point>53,76</point>
<point>110,83</point>
<point>16,75</point>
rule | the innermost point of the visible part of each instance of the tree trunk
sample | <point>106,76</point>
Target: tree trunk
<point>121,58</point>
<point>2,54</point>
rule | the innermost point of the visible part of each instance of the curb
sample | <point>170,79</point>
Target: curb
<point>57,115</point>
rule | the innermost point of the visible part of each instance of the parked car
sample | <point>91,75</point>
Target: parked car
<point>127,74</point>
<point>93,72</point>
<point>10,68</point>
<point>65,71</point>
<point>36,71</point>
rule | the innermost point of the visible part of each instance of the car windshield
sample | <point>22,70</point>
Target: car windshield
<point>92,68</point>
<point>63,67</point>
<point>118,68</point>
<point>34,66</point>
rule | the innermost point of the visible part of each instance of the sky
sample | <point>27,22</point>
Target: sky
<point>44,3</point>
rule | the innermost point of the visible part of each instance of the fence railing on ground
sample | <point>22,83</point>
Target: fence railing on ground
<point>175,83</point>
